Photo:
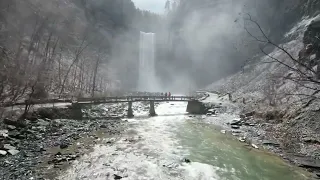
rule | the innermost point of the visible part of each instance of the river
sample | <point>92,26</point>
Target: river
<point>154,148</point>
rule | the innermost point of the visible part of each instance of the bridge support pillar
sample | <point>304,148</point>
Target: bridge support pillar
<point>152,111</point>
<point>130,112</point>
<point>76,111</point>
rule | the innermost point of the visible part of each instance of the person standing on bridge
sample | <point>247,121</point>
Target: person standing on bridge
<point>165,95</point>
<point>169,94</point>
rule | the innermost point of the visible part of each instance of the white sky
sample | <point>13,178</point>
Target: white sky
<point>156,6</point>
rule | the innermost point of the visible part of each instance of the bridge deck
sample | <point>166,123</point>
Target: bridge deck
<point>124,99</point>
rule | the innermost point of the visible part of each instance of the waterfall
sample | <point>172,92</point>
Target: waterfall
<point>147,77</point>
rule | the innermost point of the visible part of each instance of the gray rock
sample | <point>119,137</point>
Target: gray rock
<point>186,160</point>
<point>13,151</point>
<point>235,127</point>
<point>309,163</point>
<point>310,140</point>
<point>270,143</point>
<point>255,146</point>
<point>4,133</point>
<point>64,146</point>
<point>3,153</point>
<point>15,134</point>
<point>117,176</point>
<point>10,127</point>
<point>236,131</point>
<point>236,122</point>
<point>8,147</point>
<point>316,175</point>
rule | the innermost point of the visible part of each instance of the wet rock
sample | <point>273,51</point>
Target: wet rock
<point>235,126</point>
<point>212,111</point>
<point>236,122</point>
<point>311,140</point>
<point>316,175</point>
<point>309,163</point>
<point>242,116</point>
<point>13,152</point>
<point>270,143</point>
<point>254,146</point>
<point>64,145</point>
<point>186,160</point>
<point>3,153</point>
<point>117,176</point>
<point>103,126</point>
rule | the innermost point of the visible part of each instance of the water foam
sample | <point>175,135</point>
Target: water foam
<point>148,150</point>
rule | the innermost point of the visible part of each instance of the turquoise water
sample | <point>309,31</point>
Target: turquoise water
<point>234,160</point>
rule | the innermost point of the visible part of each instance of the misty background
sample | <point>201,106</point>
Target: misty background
<point>79,47</point>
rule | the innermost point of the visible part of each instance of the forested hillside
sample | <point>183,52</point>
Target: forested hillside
<point>67,47</point>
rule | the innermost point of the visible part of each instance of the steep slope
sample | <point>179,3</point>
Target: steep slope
<point>289,108</point>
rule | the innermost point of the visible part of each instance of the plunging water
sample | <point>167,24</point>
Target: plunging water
<point>153,149</point>
<point>147,77</point>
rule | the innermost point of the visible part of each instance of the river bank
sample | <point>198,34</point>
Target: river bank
<point>260,132</point>
<point>39,147</point>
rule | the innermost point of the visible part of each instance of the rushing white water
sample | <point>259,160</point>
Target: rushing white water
<point>148,150</point>
<point>153,149</point>
<point>147,77</point>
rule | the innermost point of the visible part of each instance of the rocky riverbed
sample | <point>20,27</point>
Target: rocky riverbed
<point>38,148</point>
<point>255,132</point>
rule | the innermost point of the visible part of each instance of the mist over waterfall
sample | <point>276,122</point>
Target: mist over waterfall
<point>147,76</point>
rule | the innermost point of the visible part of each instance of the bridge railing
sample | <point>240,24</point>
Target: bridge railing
<point>134,98</point>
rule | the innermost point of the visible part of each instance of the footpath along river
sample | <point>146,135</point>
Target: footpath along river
<point>156,148</point>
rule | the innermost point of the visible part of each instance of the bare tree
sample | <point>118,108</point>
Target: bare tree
<point>302,74</point>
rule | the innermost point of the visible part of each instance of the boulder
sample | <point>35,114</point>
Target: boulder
<point>236,122</point>
<point>3,153</point>
<point>10,127</point>
<point>254,146</point>
<point>117,176</point>
<point>8,147</point>
<point>235,126</point>
<point>186,160</point>
<point>64,145</point>
<point>13,152</point>
<point>4,133</point>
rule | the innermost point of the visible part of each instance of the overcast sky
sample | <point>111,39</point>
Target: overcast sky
<point>156,6</point>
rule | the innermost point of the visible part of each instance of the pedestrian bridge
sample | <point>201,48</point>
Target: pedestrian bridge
<point>123,99</point>
<point>130,99</point>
